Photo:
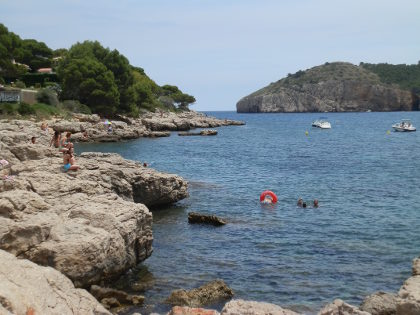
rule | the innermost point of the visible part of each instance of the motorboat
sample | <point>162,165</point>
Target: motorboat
<point>321,123</point>
<point>404,126</point>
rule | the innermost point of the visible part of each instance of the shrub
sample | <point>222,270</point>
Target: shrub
<point>20,84</point>
<point>8,108</point>
<point>45,111</point>
<point>25,109</point>
<point>75,107</point>
<point>48,97</point>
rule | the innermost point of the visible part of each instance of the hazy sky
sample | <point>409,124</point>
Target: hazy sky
<point>222,50</point>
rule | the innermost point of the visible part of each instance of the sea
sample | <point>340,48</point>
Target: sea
<point>361,239</point>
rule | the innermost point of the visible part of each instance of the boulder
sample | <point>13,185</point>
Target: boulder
<point>25,286</point>
<point>195,217</point>
<point>206,294</point>
<point>122,297</point>
<point>416,267</point>
<point>380,303</point>
<point>236,307</point>
<point>409,302</point>
<point>339,307</point>
<point>185,310</point>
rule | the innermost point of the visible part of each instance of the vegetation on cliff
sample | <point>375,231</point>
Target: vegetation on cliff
<point>87,73</point>
<point>407,77</point>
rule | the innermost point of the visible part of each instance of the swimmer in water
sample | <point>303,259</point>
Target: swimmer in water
<point>267,200</point>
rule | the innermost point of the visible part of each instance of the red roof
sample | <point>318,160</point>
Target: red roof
<point>44,70</point>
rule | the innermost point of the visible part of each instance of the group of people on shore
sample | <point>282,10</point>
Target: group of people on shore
<point>64,145</point>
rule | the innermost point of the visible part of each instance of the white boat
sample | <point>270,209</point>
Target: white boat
<point>321,123</point>
<point>404,126</point>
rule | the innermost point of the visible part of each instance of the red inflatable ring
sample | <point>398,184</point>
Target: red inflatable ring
<point>268,193</point>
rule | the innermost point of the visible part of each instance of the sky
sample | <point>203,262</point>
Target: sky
<point>222,50</point>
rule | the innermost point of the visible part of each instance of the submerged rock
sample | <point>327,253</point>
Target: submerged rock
<point>195,217</point>
<point>206,294</point>
<point>185,310</point>
<point>201,133</point>
<point>25,285</point>
<point>236,307</point>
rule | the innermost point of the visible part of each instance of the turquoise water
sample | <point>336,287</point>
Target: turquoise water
<point>362,238</point>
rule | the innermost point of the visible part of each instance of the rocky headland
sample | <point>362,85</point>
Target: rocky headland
<point>332,87</point>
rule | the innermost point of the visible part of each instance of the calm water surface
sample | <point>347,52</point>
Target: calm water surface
<point>362,239</point>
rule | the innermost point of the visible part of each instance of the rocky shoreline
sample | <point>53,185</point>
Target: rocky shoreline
<point>62,233</point>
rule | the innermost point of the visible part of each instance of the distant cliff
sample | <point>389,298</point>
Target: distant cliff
<point>332,87</point>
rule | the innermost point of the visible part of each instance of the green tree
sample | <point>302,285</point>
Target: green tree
<point>91,83</point>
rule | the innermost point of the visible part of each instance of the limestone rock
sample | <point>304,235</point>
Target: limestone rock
<point>416,267</point>
<point>380,303</point>
<point>336,87</point>
<point>208,293</point>
<point>195,217</point>
<point>409,302</point>
<point>121,296</point>
<point>201,133</point>
<point>339,307</point>
<point>25,285</point>
<point>236,307</point>
<point>185,310</point>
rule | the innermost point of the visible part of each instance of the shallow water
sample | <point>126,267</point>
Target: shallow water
<point>362,238</point>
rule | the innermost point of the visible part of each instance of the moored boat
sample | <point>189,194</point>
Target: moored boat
<point>321,123</point>
<point>404,126</point>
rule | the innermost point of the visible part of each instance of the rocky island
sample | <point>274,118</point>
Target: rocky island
<point>332,87</point>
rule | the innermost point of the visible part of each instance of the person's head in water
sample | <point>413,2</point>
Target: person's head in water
<point>300,202</point>
<point>304,204</point>
<point>33,140</point>
<point>316,204</point>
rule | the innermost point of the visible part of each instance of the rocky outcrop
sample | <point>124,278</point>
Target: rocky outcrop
<point>380,303</point>
<point>195,217</point>
<point>416,267</point>
<point>92,224</point>
<point>332,96</point>
<point>339,307</point>
<point>206,294</point>
<point>324,90</point>
<point>242,307</point>
<point>26,287</point>
<point>409,294</point>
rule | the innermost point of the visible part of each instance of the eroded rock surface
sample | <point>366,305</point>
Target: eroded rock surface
<point>339,307</point>
<point>409,302</point>
<point>236,307</point>
<point>208,293</point>
<point>380,303</point>
<point>25,285</point>
<point>91,224</point>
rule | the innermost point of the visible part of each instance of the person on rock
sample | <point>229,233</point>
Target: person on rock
<point>69,160</point>
<point>56,140</point>
<point>33,140</point>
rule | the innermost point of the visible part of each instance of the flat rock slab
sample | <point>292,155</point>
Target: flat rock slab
<point>195,217</point>
<point>339,307</point>
<point>236,307</point>
<point>185,310</point>
<point>211,292</point>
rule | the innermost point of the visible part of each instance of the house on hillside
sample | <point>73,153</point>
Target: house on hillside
<point>44,70</point>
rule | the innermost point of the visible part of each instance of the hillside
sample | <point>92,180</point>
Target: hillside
<point>92,75</point>
<point>337,86</point>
